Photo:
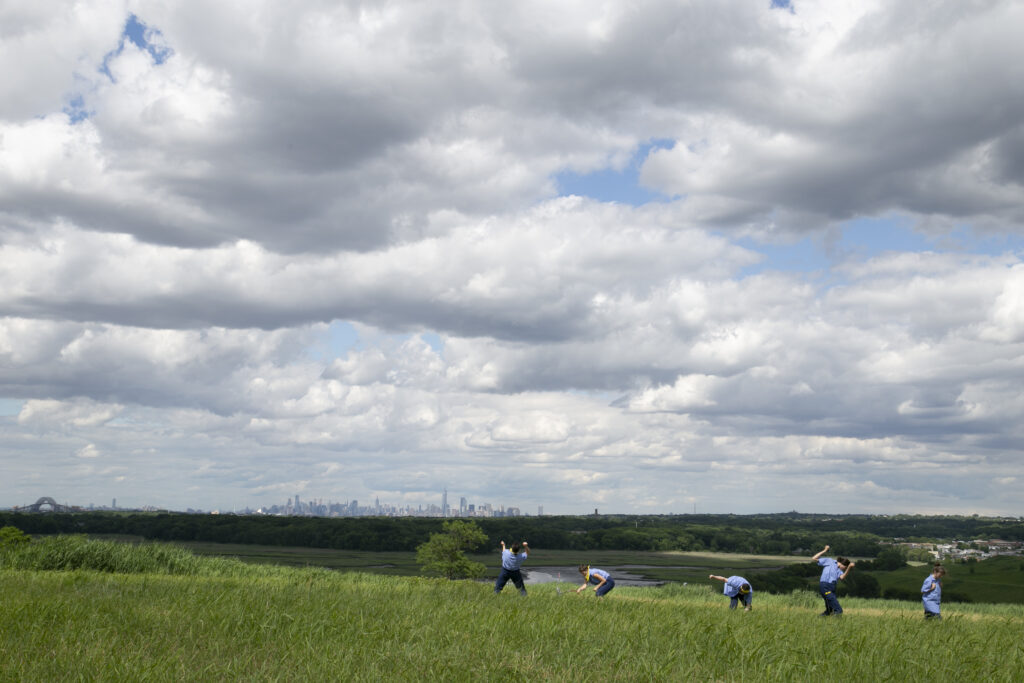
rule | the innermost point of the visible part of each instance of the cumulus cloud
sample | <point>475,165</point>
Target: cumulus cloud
<point>260,249</point>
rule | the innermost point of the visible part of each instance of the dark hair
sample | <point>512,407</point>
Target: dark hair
<point>842,560</point>
<point>583,568</point>
<point>939,569</point>
<point>745,588</point>
<point>516,548</point>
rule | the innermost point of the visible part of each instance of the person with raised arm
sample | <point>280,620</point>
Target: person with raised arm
<point>511,561</point>
<point>832,572</point>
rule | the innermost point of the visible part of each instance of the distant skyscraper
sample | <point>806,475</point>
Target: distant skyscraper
<point>540,510</point>
<point>444,503</point>
<point>462,507</point>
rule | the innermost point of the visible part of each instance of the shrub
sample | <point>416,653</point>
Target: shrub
<point>444,554</point>
<point>12,537</point>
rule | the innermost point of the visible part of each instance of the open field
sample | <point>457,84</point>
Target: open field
<point>1000,579</point>
<point>655,566</point>
<point>997,580</point>
<point>74,608</point>
<point>286,624</point>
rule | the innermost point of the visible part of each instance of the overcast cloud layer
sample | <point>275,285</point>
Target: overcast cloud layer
<point>257,249</point>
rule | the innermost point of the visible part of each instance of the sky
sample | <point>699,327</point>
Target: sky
<point>648,257</point>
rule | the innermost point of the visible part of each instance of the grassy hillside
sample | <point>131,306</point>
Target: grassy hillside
<point>1000,579</point>
<point>214,619</point>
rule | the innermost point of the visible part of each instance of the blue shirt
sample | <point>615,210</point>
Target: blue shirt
<point>931,597</point>
<point>511,561</point>
<point>733,585</point>
<point>597,574</point>
<point>831,571</point>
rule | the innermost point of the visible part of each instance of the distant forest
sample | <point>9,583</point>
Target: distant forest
<point>772,534</point>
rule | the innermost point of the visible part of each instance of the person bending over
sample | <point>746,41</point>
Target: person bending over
<point>602,580</point>
<point>738,589</point>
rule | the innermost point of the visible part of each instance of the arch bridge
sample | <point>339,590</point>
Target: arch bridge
<point>45,504</point>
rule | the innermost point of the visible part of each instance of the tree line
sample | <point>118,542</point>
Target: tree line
<point>780,534</point>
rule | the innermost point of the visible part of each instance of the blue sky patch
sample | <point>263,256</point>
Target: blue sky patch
<point>76,110</point>
<point>138,34</point>
<point>611,185</point>
<point>10,406</point>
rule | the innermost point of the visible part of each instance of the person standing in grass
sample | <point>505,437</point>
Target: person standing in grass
<point>738,589</point>
<point>832,571</point>
<point>931,592</point>
<point>511,561</point>
<point>602,580</point>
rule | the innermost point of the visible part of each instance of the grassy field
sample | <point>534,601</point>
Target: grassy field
<point>996,580</point>
<point>1000,579</point>
<point>660,566</point>
<point>310,624</point>
<point>168,616</point>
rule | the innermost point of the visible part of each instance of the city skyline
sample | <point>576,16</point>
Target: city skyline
<point>636,257</point>
<point>315,506</point>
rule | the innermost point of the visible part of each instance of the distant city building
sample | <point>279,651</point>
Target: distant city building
<point>315,507</point>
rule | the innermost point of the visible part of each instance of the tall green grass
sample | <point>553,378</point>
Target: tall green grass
<point>74,552</point>
<point>244,622</point>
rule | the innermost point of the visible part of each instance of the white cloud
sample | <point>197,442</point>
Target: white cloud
<point>181,237</point>
<point>49,414</point>
<point>88,451</point>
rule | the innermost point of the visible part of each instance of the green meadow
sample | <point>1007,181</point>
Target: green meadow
<point>1000,579</point>
<point>96,610</point>
<point>652,565</point>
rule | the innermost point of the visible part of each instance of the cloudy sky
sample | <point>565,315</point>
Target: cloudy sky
<point>658,256</point>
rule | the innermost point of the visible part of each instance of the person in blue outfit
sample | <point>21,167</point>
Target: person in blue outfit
<point>511,561</point>
<point>602,580</point>
<point>931,592</point>
<point>832,571</point>
<point>738,589</point>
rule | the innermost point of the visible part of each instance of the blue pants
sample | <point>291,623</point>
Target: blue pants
<point>828,593</point>
<point>506,574</point>
<point>608,585</point>
<point>745,598</point>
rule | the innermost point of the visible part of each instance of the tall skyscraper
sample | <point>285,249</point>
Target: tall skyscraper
<point>444,503</point>
<point>462,506</point>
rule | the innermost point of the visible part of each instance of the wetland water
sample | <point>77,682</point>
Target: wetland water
<point>571,575</point>
<point>619,572</point>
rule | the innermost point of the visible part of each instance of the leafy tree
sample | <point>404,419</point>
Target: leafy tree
<point>861,585</point>
<point>920,555</point>
<point>890,559</point>
<point>444,554</point>
<point>12,537</point>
